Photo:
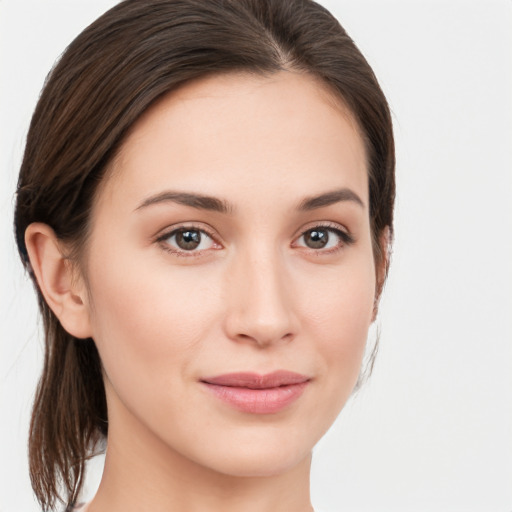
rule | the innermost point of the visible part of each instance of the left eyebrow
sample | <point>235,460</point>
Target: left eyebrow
<point>329,198</point>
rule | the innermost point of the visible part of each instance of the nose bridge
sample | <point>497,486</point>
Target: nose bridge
<point>261,306</point>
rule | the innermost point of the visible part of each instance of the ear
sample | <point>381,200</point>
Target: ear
<point>382,267</point>
<point>64,292</point>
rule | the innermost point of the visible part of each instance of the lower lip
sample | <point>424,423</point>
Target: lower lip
<point>258,401</point>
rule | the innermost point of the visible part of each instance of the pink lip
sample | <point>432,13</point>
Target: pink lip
<point>258,394</point>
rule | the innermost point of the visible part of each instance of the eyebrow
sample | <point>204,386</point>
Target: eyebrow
<point>199,201</point>
<point>210,203</point>
<point>329,198</point>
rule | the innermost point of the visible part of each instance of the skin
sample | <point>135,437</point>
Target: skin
<point>253,297</point>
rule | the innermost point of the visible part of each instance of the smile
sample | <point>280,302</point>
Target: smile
<point>258,394</point>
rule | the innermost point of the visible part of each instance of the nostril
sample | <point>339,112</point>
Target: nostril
<point>264,340</point>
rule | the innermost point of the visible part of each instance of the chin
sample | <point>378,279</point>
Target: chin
<point>257,454</point>
<point>259,463</point>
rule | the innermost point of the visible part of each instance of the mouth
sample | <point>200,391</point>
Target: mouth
<point>258,394</point>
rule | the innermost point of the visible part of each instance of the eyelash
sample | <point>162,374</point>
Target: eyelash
<point>163,241</point>
<point>346,239</point>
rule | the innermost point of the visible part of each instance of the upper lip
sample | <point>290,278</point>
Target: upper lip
<point>257,381</point>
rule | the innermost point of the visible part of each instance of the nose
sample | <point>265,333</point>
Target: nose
<point>260,301</point>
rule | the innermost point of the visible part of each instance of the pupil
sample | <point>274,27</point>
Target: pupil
<point>316,239</point>
<point>188,240</point>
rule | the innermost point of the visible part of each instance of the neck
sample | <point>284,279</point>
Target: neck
<point>143,473</point>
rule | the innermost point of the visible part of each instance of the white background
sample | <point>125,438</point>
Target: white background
<point>432,430</point>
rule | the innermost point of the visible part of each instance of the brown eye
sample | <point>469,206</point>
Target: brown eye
<point>316,238</point>
<point>188,239</point>
<point>324,239</point>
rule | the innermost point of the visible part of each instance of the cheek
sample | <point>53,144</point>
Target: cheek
<point>339,315</point>
<point>148,320</point>
<point>340,303</point>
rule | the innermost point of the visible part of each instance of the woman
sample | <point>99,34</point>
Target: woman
<point>205,205</point>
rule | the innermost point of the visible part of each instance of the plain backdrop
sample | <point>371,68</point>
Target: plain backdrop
<point>432,429</point>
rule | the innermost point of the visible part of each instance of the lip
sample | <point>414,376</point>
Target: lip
<point>258,394</point>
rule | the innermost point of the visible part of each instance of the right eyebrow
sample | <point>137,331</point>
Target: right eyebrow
<point>199,201</point>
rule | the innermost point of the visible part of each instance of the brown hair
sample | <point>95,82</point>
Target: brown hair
<point>108,76</point>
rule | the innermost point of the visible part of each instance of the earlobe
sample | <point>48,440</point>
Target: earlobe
<point>65,295</point>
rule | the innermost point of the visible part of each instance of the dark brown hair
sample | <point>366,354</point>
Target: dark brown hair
<point>108,76</point>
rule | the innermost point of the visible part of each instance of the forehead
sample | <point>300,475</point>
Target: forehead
<point>222,134</point>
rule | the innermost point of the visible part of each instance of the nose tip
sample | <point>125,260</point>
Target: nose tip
<point>261,307</point>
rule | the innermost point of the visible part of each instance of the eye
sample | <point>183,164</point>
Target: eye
<point>187,240</point>
<point>324,238</point>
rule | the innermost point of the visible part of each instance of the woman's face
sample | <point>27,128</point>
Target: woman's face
<point>232,236</point>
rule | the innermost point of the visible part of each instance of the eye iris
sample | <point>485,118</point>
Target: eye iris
<point>188,239</point>
<point>316,238</point>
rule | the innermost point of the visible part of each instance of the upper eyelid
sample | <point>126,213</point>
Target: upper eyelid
<point>334,226</point>
<point>346,237</point>
<point>169,231</point>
